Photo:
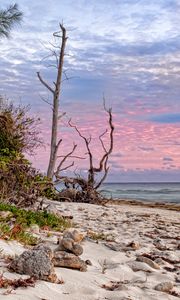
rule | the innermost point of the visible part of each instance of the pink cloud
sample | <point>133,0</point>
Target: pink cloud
<point>132,135</point>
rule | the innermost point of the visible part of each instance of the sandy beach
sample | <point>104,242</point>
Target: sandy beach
<point>131,249</point>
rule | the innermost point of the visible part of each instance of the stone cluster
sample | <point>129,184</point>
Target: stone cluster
<point>68,251</point>
<point>41,260</point>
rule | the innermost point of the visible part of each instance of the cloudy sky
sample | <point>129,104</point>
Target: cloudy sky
<point>128,50</point>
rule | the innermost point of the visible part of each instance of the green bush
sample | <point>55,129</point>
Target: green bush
<point>20,183</point>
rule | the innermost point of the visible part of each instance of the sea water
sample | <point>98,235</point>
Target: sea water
<point>157,192</point>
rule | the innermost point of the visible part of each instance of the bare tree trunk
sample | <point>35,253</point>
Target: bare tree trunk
<point>56,94</point>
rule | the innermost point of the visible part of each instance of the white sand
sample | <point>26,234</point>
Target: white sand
<point>122,225</point>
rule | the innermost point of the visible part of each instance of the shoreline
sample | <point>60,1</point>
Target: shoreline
<point>165,205</point>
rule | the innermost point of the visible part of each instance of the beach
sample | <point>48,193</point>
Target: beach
<point>131,250</point>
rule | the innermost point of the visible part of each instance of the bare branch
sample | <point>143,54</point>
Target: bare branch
<point>59,142</point>
<point>46,101</point>
<point>109,151</point>
<point>52,66</point>
<point>53,45</point>
<point>59,168</point>
<point>87,142</point>
<point>102,143</point>
<point>67,167</point>
<point>106,169</point>
<point>45,83</point>
<point>56,148</point>
<point>72,156</point>
<point>62,115</point>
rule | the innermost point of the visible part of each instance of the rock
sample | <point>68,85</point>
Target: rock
<point>161,246</point>
<point>36,263</point>
<point>139,266</point>
<point>134,245</point>
<point>77,249</point>
<point>164,287</point>
<point>52,209</point>
<point>160,261</point>
<point>68,260</point>
<point>74,234</point>
<point>148,261</point>
<point>177,278</point>
<point>88,262</point>
<point>104,214</point>
<point>171,257</point>
<point>109,238</point>
<point>34,228</point>
<point>45,248</point>
<point>68,244</point>
<point>114,246</point>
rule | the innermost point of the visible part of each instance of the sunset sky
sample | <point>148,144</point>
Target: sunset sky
<point>128,50</point>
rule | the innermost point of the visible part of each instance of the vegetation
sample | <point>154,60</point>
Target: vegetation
<point>17,233</point>
<point>96,236</point>
<point>8,18</point>
<point>20,183</point>
<point>18,131</point>
<point>14,224</point>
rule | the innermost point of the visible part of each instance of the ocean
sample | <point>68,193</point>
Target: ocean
<point>157,192</point>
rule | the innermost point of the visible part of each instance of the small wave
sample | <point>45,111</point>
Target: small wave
<point>161,191</point>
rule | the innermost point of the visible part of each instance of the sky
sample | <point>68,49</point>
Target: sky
<point>126,50</point>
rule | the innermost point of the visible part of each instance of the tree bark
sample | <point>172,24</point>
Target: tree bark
<point>56,95</point>
<point>54,130</point>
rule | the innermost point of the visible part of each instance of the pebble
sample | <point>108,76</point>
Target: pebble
<point>148,261</point>
<point>34,228</point>
<point>164,287</point>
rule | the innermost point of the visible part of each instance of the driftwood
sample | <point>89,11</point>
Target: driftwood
<point>87,189</point>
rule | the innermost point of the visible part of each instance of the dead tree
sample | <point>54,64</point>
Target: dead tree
<point>89,186</point>
<point>56,92</point>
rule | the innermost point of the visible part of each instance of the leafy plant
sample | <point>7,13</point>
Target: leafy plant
<point>15,224</point>
<point>20,183</point>
<point>41,218</point>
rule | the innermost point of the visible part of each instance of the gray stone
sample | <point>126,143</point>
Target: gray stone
<point>148,261</point>
<point>164,287</point>
<point>77,249</point>
<point>140,266</point>
<point>68,244</point>
<point>36,263</point>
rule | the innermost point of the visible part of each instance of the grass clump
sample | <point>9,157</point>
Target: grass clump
<point>41,218</point>
<point>15,224</point>
<point>97,236</point>
<point>17,233</point>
